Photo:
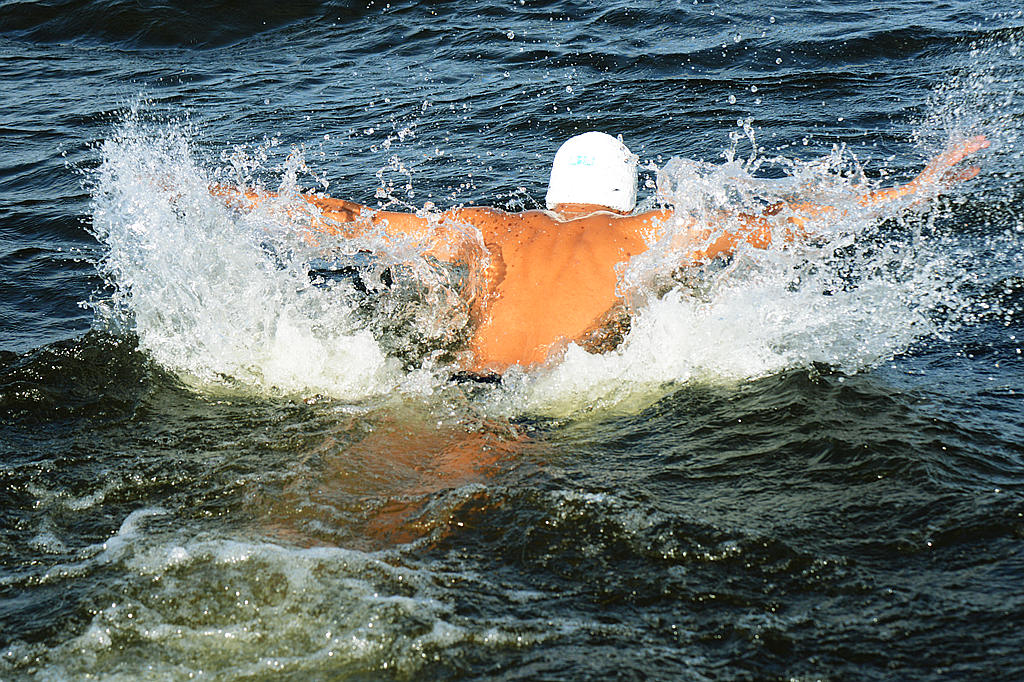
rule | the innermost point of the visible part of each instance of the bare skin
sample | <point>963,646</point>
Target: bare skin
<point>552,277</point>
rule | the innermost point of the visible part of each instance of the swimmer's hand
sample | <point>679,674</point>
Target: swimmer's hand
<point>940,172</point>
<point>338,210</point>
<point>234,197</point>
<point>938,175</point>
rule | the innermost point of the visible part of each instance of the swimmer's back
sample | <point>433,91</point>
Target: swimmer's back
<point>550,281</point>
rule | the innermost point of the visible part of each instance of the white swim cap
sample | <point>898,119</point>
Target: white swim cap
<point>593,168</point>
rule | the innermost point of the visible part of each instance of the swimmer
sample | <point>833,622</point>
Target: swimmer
<point>552,275</point>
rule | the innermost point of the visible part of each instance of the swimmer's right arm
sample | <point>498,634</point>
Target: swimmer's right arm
<point>938,174</point>
<point>740,228</point>
<point>800,218</point>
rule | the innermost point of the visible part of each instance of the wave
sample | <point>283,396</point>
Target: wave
<point>133,24</point>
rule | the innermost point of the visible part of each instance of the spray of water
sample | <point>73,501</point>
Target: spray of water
<point>849,297</point>
<point>241,299</point>
<point>226,298</point>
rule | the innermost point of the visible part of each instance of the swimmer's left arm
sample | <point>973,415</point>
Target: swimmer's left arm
<point>349,219</point>
<point>340,217</point>
<point>336,216</point>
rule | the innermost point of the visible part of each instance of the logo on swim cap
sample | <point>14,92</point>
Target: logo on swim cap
<point>593,168</point>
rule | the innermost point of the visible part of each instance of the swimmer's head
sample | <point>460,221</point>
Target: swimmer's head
<point>593,168</point>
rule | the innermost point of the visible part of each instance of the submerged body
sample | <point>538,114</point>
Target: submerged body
<point>552,276</point>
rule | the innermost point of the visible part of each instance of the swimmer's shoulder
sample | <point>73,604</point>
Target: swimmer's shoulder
<point>650,218</point>
<point>480,215</point>
<point>500,224</point>
<point>635,226</point>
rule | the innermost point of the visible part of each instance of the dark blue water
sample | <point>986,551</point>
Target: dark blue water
<point>227,455</point>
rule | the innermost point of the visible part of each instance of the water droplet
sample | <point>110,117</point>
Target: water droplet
<point>732,99</point>
<point>510,35</point>
<point>753,88</point>
<point>778,60</point>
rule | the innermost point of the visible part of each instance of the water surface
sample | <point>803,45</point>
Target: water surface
<point>230,454</point>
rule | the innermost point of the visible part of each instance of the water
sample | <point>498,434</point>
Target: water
<point>233,454</point>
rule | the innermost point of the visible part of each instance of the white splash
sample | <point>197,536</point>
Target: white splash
<point>225,299</point>
<point>215,296</point>
<point>864,287</point>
